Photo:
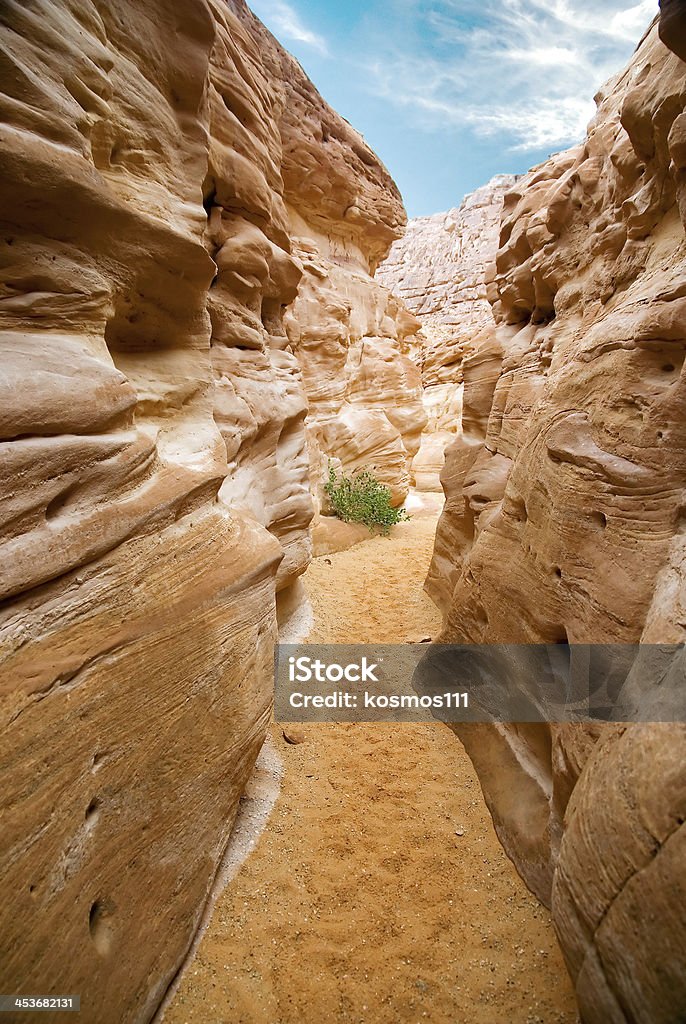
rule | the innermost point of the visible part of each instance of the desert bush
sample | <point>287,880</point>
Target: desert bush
<point>361,498</point>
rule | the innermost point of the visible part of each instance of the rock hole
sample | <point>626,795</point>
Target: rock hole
<point>559,652</point>
<point>100,926</point>
<point>59,502</point>
<point>668,368</point>
<point>600,519</point>
<point>209,200</point>
<point>99,757</point>
<point>519,510</point>
<point>93,810</point>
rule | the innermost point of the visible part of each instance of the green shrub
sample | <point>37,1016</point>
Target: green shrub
<point>360,498</point>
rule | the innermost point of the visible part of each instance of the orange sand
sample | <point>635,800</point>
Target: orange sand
<point>378,893</point>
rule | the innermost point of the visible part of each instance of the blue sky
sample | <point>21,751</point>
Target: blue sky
<point>451,92</point>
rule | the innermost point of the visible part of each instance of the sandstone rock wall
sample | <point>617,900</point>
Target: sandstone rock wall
<point>566,525</point>
<point>300,211</point>
<point>351,337</point>
<point>259,406</point>
<point>153,453</point>
<point>439,269</point>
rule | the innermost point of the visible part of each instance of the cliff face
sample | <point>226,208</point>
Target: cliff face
<point>346,331</point>
<point>439,269</point>
<point>300,211</point>
<point>154,456</point>
<point>350,336</point>
<point>438,266</point>
<point>566,524</point>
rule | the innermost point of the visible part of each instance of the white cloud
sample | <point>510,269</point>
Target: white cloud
<point>285,22</point>
<point>541,125</point>
<point>522,70</point>
<point>631,23</point>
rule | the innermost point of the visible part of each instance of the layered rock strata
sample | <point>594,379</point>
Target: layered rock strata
<point>566,525</point>
<point>439,269</point>
<point>154,457</point>
<point>352,340</point>
<point>300,211</point>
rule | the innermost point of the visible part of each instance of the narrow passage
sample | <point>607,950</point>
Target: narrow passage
<point>378,892</point>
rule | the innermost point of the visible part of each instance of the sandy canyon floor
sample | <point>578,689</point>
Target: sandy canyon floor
<point>378,892</point>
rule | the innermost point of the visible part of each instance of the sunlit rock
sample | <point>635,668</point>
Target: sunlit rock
<point>439,270</point>
<point>564,523</point>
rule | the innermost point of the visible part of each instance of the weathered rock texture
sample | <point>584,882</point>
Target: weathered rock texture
<point>153,416</point>
<point>566,524</point>
<point>672,26</point>
<point>350,336</point>
<point>438,269</point>
<point>300,212</point>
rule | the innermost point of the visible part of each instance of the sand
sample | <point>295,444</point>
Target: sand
<point>378,892</point>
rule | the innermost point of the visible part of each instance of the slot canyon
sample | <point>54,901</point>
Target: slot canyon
<point>211,297</point>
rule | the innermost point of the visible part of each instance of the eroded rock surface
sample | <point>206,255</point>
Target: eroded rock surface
<point>154,454</point>
<point>439,270</point>
<point>300,212</point>
<point>351,337</point>
<point>565,524</point>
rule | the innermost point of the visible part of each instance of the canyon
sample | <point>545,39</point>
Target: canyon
<point>209,295</point>
<point>563,513</point>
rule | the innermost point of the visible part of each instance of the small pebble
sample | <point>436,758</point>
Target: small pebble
<point>292,734</point>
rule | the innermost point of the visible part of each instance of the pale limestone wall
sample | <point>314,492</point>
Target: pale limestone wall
<point>439,269</point>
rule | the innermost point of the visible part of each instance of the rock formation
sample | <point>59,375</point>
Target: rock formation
<point>438,269</point>
<point>350,336</point>
<point>672,26</point>
<point>300,212</point>
<point>565,524</point>
<point>154,454</point>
